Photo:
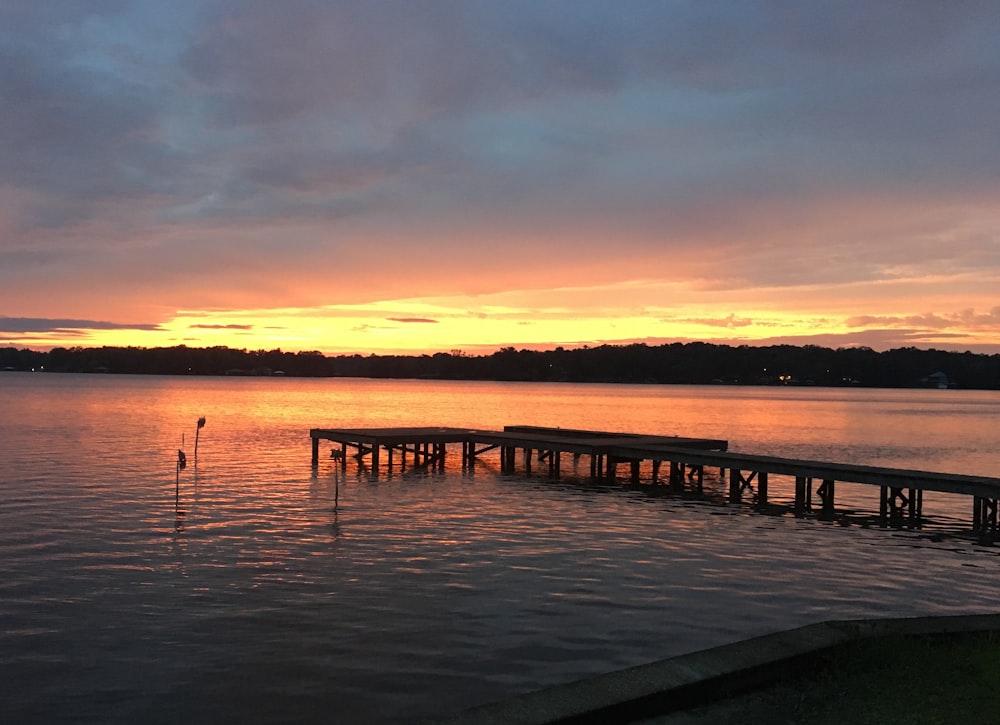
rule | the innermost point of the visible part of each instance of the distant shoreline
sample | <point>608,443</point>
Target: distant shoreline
<point>677,363</point>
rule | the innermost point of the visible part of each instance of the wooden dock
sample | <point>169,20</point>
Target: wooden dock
<point>427,447</point>
<point>901,491</point>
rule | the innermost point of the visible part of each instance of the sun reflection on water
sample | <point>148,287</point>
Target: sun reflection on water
<point>236,587</point>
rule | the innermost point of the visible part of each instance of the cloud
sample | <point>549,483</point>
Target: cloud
<point>931,321</point>
<point>227,154</point>
<point>74,135</point>
<point>34,324</point>
<point>221,327</point>
<point>729,321</point>
<point>412,320</point>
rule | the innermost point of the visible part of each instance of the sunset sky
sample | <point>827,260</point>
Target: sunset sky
<point>421,176</point>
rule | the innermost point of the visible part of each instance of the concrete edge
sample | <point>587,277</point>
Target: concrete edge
<point>700,677</point>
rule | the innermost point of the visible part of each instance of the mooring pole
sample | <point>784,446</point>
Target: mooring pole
<point>201,424</point>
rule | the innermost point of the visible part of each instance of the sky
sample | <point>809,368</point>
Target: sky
<point>400,176</point>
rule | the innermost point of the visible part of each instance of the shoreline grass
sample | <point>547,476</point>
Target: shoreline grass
<point>913,679</point>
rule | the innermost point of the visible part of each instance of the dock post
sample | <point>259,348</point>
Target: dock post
<point>803,494</point>
<point>826,492</point>
<point>676,476</point>
<point>735,485</point>
<point>315,452</point>
<point>697,474</point>
<point>916,504</point>
<point>469,455</point>
<point>984,518</point>
<point>762,488</point>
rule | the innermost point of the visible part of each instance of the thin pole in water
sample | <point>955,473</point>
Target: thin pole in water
<point>181,464</point>
<point>201,424</point>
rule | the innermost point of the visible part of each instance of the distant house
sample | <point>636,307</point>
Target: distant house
<point>938,380</point>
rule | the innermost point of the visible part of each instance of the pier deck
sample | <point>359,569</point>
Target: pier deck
<point>901,491</point>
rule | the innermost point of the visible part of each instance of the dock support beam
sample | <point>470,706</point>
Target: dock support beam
<point>738,483</point>
<point>895,503</point>
<point>985,519</point>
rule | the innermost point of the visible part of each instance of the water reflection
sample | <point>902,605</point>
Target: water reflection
<point>261,589</point>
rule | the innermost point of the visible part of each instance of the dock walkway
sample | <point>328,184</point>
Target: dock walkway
<point>901,490</point>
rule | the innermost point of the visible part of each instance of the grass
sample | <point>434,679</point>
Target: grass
<point>918,680</point>
<point>911,680</point>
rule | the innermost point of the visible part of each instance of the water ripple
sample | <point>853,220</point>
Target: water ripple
<point>130,591</point>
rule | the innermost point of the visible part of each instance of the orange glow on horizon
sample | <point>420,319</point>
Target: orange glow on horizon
<point>541,319</point>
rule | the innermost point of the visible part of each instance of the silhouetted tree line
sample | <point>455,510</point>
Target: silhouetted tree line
<point>687,363</point>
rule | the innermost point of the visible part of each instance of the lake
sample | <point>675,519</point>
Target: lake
<point>233,590</point>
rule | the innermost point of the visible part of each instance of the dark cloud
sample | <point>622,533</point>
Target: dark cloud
<point>221,327</point>
<point>253,146</point>
<point>36,324</point>
<point>76,132</point>
<point>412,320</point>
<point>294,108</point>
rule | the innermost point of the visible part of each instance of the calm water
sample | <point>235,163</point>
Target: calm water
<point>250,598</point>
